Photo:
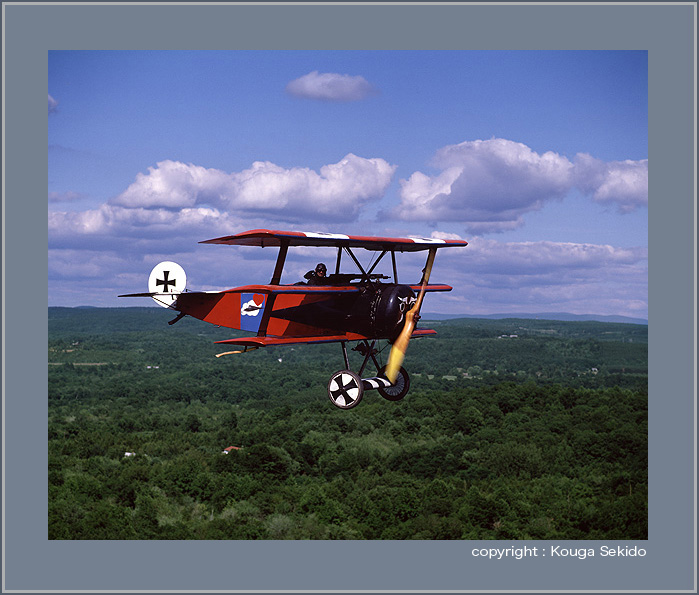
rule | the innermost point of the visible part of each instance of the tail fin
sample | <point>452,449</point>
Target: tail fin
<point>167,280</point>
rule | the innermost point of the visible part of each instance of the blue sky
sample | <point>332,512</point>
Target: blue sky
<point>537,158</point>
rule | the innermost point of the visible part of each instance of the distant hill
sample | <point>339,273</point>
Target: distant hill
<point>563,316</point>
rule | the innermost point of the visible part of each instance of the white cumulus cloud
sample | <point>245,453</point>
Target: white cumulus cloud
<point>175,185</point>
<point>490,184</point>
<point>337,191</point>
<point>624,183</point>
<point>329,86</point>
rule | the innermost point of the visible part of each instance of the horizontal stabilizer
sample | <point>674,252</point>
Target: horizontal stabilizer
<point>147,294</point>
<point>162,299</point>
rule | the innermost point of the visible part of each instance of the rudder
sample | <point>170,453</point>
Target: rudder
<point>167,280</point>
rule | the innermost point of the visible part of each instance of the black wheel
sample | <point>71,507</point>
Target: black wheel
<point>345,389</point>
<point>399,389</point>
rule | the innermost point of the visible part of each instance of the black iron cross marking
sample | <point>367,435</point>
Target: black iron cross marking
<point>342,390</point>
<point>165,282</point>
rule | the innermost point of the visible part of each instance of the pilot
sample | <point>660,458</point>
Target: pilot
<point>317,276</point>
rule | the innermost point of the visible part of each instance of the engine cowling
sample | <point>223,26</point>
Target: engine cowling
<point>376,310</point>
<point>388,308</point>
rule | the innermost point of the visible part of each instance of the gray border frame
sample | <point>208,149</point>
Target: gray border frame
<point>32,563</point>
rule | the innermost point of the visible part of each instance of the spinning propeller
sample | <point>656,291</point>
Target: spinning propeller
<point>400,345</point>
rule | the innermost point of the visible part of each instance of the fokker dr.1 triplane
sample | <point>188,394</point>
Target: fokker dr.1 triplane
<point>363,307</point>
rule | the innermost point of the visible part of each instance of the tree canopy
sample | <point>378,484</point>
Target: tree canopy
<point>512,429</point>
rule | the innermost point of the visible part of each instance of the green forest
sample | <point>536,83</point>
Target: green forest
<point>512,429</point>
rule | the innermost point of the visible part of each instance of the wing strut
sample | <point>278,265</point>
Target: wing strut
<point>378,260</point>
<point>276,280</point>
<point>339,258</point>
<point>359,266</point>
<point>279,267</point>
<point>395,270</point>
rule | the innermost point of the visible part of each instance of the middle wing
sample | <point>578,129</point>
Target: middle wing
<point>252,308</point>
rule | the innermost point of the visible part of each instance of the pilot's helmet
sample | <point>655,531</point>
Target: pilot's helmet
<point>321,269</point>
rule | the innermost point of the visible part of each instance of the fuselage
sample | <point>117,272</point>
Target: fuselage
<point>371,309</point>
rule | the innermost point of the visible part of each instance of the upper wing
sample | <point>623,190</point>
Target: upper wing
<point>266,237</point>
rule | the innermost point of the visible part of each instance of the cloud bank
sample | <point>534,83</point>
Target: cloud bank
<point>337,192</point>
<point>188,203</point>
<point>328,86</point>
<point>620,183</point>
<point>549,276</point>
<point>110,220</point>
<point>56,197</point>
<point>558,260</point>
<point>490,184</point>
<point>485,185</point>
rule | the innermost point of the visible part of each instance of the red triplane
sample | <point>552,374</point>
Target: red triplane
<point>362,307</point>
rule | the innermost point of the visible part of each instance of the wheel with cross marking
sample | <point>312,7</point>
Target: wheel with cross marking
<point>345,389</point>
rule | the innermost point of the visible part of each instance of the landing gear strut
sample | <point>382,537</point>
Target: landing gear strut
<point>346,388</point>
